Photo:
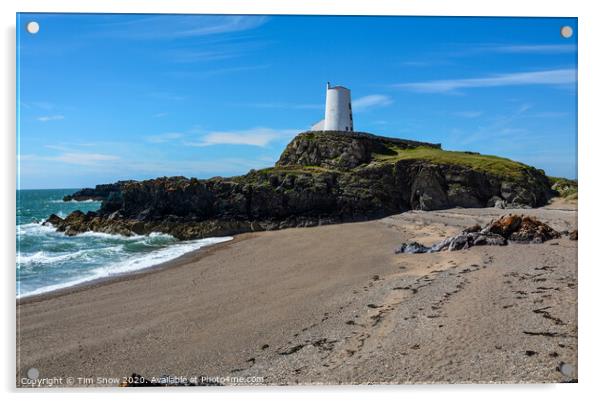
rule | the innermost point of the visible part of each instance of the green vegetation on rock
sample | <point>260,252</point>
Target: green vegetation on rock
<point>565,187</point>
<point>320,178</point>
<point>485,163</point>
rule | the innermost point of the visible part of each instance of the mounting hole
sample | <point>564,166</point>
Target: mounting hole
<point>33,373</point>
<point>33,27</point>
<point>566,31</point>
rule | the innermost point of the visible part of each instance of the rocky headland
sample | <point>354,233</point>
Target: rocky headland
<point>320,178</point>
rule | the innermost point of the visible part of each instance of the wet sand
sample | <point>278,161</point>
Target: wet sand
<point>329,304</point>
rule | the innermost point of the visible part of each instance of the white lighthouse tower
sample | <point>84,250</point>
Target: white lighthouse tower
<point>338,115</point>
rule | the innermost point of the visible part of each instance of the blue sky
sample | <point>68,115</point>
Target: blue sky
<point>109,97</point>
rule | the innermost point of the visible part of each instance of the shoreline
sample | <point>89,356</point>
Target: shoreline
<point>556,204</point>
<point>324,304</point>
<point>178,262</point>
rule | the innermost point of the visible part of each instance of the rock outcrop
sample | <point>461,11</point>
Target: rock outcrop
<point>99,193</point>
<point>565,188</point>
<point>321,178</point>
<point>513,228</point>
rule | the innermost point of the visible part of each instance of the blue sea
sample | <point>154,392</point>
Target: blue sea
<point>48,260</point>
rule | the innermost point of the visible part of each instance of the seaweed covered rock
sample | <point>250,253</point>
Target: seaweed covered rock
<point>513,228</point>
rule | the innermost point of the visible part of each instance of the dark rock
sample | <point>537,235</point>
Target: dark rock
<point>321,178</point>
<point>573,235</point>
<point>340,149</point>
<point>490,239</point>
<point>427,191</point>
<point>533,231</point>
<point>524,229</point>
<point>98,193</point>
<point>412,247</point>
<point>460,241</point>
<point>497,202</point>
<point>53,220</point>
<point>505,225</point>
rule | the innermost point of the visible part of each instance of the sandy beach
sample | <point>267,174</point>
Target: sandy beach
<point>330,304</point>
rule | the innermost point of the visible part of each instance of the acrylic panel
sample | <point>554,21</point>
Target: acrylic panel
<point>278,200</point>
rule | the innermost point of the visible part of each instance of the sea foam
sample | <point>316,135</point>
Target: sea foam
<point>129,264</point>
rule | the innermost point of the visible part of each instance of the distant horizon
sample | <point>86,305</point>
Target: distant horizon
<point>159,176</point>
<point>145,96</point>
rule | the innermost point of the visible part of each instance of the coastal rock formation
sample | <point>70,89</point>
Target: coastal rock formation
<point>321,178</point>
<point>514,228</point>
<point>565,188</point>
<point>99,193</point>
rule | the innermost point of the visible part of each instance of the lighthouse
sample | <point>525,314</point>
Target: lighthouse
<point>338,115</point>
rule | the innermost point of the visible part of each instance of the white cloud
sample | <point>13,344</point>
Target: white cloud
<point>260,137</point>
<point>166,137</point>
<point>55,117</point>
<point>84,159</point>
<point>547,77</point>
<point>73,157</point>
<point>159,115</point>
<point>371,101</point>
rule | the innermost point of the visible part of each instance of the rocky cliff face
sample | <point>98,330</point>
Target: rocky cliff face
<point>320,178</point>
<point>99,193</point>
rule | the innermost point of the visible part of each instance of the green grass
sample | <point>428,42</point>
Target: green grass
<point>294,170</point>
<point>485,163</point>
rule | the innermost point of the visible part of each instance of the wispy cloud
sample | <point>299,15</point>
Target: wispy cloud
<point>84,159</point>
<point>159,115</point>
<point>54,117</point>
<point>531,49</point>
<point>211,51</point>
<point>218,71</point>
<point>173,27</point>
<point>468,114</point>
<point>286,105</point>
<point>73,157</point>
<point>192,56</point>
<point>165,137</point>
<point>166,96</point>
<point>371,101</point>
<point>500,126</point>
<point>547,77</point>
<point>260,137</point>
<point>550,114</point>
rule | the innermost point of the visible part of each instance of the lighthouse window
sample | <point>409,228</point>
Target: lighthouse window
<point>349,106</point>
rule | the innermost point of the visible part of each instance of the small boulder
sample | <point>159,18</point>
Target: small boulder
<point>505,225</point>
<point>53,220</point>
<point>460,241</point>
<point>412,247</point>
<point>490,239</point>
<point>533,231</point>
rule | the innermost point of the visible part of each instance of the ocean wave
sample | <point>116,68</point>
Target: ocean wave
<point>130,264</point>
<point>34,229</point>
<point>75,201</point>
<point>48,258</point>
